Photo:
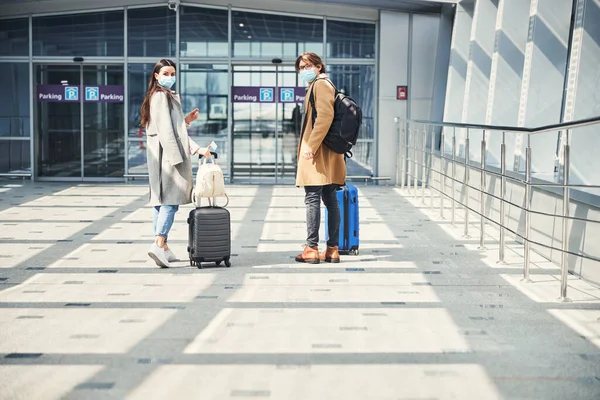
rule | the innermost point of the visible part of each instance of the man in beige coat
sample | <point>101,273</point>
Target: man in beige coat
<point>321,171</point>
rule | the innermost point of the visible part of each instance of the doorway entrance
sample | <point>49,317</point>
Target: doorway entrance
<point>80,121</point>
<point>267,117</point>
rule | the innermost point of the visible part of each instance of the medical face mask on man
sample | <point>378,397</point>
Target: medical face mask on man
<point>308,75</point>
<point>166,81</point>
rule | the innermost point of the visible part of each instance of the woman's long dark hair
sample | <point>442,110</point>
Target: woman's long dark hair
<point>154,87</point>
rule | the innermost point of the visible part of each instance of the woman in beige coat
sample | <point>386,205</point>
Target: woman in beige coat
<point>321,171</point>
<point>169,150</point>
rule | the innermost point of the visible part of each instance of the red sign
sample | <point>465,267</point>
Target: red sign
<point>402,93</point>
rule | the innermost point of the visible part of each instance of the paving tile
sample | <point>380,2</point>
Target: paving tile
<point>295,331</point>
<point>343,288</point>
<point>18,253</point>
<point>54,213</point>
<point>53,334</point>
<point>43,381</point>
<point>306,382</point>
<point>32,231</point>
<point>546,289</point>
<point>102,288</point>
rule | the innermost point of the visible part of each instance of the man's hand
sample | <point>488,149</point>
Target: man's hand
<point>308,153</point>
<point>192,116</point>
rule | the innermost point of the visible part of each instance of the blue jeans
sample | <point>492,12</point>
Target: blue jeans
<point>163,220</point>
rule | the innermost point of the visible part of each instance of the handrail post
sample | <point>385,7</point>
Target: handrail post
<point>467,174</point>
<point>404,155</point>
<point>423,164</point>
<point>398,148</point>
<point>453,176</point>
<point>482,194</point>
<point>501,249</point>
<point>415,163</point>
<point>442,175</point>
<point>431,168</point>
<point>564,265</point>
<point>528,194</point>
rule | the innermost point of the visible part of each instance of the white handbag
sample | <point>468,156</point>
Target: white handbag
<point>210,183</point>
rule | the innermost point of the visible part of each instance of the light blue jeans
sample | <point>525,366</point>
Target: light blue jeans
<point>163,220</point>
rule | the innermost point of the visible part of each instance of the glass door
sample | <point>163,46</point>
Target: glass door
<point>80,122</point>
<point>103,122</point>
<point>58,122</point>
<point>267,113</point>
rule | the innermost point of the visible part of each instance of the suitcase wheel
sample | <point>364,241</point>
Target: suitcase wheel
<point>227,263</point>
<point>354,251</point>
<point>199,265</point>
<point>218,263</point>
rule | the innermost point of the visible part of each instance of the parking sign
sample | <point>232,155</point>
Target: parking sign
<point>287,95</point>
<point>71,93</point>
<point>266,94</point>
<point>92,93</point>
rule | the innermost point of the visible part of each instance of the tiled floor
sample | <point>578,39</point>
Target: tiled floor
<point>420,313</point>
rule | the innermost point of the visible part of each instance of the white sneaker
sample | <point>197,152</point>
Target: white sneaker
<point>170,256</point>
<point>158,255</point>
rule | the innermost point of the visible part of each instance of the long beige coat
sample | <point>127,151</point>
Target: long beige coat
<point>327,167</point>
<point>169,152</point>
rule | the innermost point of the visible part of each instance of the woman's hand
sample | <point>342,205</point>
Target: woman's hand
<point>192,116</point>
<point>204,151</point>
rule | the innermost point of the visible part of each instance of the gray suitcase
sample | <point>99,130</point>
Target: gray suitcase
<point>209,237</point>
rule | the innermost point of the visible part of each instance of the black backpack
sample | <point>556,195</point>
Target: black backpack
<point>347,118</point>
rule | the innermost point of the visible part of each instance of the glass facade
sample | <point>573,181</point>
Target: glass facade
<point>90,138</point>
<point>14,37</point>
<point>267,35</point>
<point>151,32</point>
<point>350,39</point>
<point>88,34</point>
<point>204,32</point>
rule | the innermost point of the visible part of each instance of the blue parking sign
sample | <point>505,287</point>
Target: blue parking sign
<point>287,95</point>
<point>92,93</point>
<point>266,94</point>
<point>71,93</point>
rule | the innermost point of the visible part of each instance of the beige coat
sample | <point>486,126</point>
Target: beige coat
<point>169,151</point>
<point>327,167</point>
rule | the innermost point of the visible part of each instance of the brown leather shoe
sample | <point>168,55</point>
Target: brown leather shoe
<point>331,255</point>
<point>310,255</point>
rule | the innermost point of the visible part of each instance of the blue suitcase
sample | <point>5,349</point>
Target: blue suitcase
<point>349,227</point>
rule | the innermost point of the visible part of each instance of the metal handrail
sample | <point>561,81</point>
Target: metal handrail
<point>495,128</point>
<point>412,145</point>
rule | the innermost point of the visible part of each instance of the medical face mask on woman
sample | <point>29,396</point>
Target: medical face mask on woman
<point>166,81</point>
<point>308,75</point>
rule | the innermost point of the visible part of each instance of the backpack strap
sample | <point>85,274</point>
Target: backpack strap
<point>311,98</point>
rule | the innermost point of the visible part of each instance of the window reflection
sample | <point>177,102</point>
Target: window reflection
<point>14,37</point>
<point>151,32</point>
<point>266,35</point>
<point>204,86</point>
<point>203,32</point>
<point>89,34</point>
<point>14,114</point>
<point>357,81</point>
<point>350,39</point>
<point>139,74</point>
